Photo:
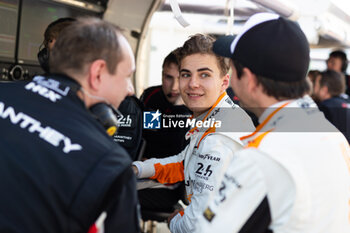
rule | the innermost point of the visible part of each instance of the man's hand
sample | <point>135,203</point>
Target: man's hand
<point>173,214</point>
<point>135,170</point>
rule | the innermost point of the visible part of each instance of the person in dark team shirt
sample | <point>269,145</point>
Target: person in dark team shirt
<point>129,134</point>
<point>59,169</point>
<point>327,88</point>
<point>165,98</point>
<point>165,141</point>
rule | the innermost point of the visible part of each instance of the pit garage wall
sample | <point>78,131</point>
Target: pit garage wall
<point>133,16</point>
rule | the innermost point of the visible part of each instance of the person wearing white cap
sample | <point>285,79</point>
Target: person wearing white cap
<point>293,174</point>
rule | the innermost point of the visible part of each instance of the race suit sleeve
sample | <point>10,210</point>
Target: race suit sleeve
<point>168,170</point>
<point>205,170</point>
<point>252,186</point>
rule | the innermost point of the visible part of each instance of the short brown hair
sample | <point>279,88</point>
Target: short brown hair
<point>342,56</point>
<point>202,44</point>
<point>313,74</point>
<point>278,89</point>
<point>54,29</point>
<point>334,81</point>
<point>171,58</point>
<point>84,41</point>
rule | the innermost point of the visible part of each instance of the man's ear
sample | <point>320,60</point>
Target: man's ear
<point>324,93</point>
<point>324,89</point>
<point>225,82</point>
<point>96,70</point>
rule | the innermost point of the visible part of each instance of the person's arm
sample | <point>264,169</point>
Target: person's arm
<point>207,165</point>
<point>168,170</point>
<point>253,185</point>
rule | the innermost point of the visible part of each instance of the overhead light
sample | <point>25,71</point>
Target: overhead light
<point>334,28</point>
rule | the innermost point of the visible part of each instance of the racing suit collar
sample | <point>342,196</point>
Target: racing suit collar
<point>265,118</point>
<point>205,115</point>
<point>269,110</point>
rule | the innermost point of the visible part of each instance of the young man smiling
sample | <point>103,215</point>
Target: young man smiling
<point>203,81</point>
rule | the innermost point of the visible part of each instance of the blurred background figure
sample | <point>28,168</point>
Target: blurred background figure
<point>129,134</point>
<point>312,75</point>
<point>164,142</point>
<point>338,61</point>
<point>165,98</point>
<point>50,35</point>
<point>327,89</point>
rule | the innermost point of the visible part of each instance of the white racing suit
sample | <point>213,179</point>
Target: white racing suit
<point>292,177</point>
<point>202,162</point>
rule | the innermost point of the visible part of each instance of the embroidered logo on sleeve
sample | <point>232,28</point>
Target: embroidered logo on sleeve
<point>208,214</point>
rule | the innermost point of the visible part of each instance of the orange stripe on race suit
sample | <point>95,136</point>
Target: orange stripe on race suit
<point>189,197</point>
<point>349,211</point>
<point>347,161</point>
<point>345,154</point>
<point>169,173</point>
<point>181,212</point>
<point>210,130</point>
<point>264,122</point>
<point>212,107</point>
<point>256,141</point>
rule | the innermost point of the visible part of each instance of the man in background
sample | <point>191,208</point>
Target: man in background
<point>163,142</point>
<point>165,98</point>
<point>327,88</point>
<point>338,61</point>
<point>50,36</point>
<point>129,117</point>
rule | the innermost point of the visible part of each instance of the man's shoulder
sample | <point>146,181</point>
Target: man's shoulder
<point>12,88</point>
<point>154,97</point>
<point>232,117</point>
<point>333,102</point>
<point>131,104</point>
<point>151,91</point>
<point>219,141</point>
<point>153,88</point>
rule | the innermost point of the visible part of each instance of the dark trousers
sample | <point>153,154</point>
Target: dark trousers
<point>160,199</point>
